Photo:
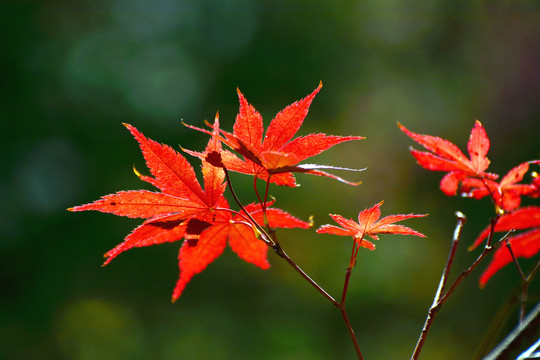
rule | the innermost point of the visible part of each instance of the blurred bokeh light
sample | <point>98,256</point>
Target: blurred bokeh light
<point>73,71</point>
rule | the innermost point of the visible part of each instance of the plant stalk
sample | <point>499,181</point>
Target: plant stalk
<point>435,306</point>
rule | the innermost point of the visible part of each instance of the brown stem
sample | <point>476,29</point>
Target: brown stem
<point>281,253</point>
<point>435,306</point>
<point>525,287</point>
<point>269,237</point>
<point>440,300</point>
<point>265,236</point>
<point>514,259</point>
<point>487,249</point>
<point>351,331</point>
<point>340,306</point>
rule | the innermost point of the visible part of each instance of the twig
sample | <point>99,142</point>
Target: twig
<point>265,236</point>
<point>269,237</point>
<point>435,306</point>
<point>487,249</point>
<point>281,253</point>
<point>513,340</point>
<point>525,287</point>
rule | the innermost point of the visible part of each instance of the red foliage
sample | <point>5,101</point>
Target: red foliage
<point>183,209</point>
<point>277,155</point>
<point>469,176</point>
<point>445,156</point>
<point>370,225</point>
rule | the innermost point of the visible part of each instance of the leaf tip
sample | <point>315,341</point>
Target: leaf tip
<point>139,175</point>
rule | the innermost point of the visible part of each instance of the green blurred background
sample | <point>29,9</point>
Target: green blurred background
<point>73,71</point>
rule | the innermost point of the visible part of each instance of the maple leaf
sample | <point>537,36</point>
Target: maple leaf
<point>443,155</point>
<point>370,225</point>
<point>183,210</point>
<point>181,195</point>
<point>520,219</point>
<point>242,238</point>
<point>276,155</point>
<point>506,194</point>
<point>526,244</point>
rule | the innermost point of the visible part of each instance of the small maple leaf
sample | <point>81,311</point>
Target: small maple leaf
<point>183,210</point>
<point>526,244</point>
<point>443,155</point>
<point>506,194</point>
<point>277,155</point>
<point>370,225</point>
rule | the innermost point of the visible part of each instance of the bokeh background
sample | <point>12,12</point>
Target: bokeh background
<point>73,71</point>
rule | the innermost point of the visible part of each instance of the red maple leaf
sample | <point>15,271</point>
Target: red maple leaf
<point>370,225</point>
<point>184,210</point>
<point>443,155</point>
<point>242,238</point>
<point>526,244</point>
<point>506,194</point>
<point>276,155</point>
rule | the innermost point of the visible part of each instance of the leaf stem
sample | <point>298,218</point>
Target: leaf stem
<point>341,305</point>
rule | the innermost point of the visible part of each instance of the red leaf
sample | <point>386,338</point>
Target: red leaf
<point>369,224</point>
<point>525,245</point>
<point>183,210</point>
<point>478,147</point>
<point>172,172</point>
<point>506,194</point>
<point>151,232</point>
<point>523,218</point>
<point>242,240</point>
<point>445,156</point>
<point>278,154</point>
<point>142,204</point>
<point>194,259</point>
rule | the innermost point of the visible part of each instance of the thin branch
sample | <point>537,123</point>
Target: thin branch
<point>525,287</point>
<point>265,236</point>
<point>487,249</point>
<point>351,332</point>
<point>533,271</point>
<point>531,323</point>
<point>257,191</point>
<point>514,259</point>
<point>341,305</point>
<point>435,306</point>
<point>269,237</point>
<point>281,253</point>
